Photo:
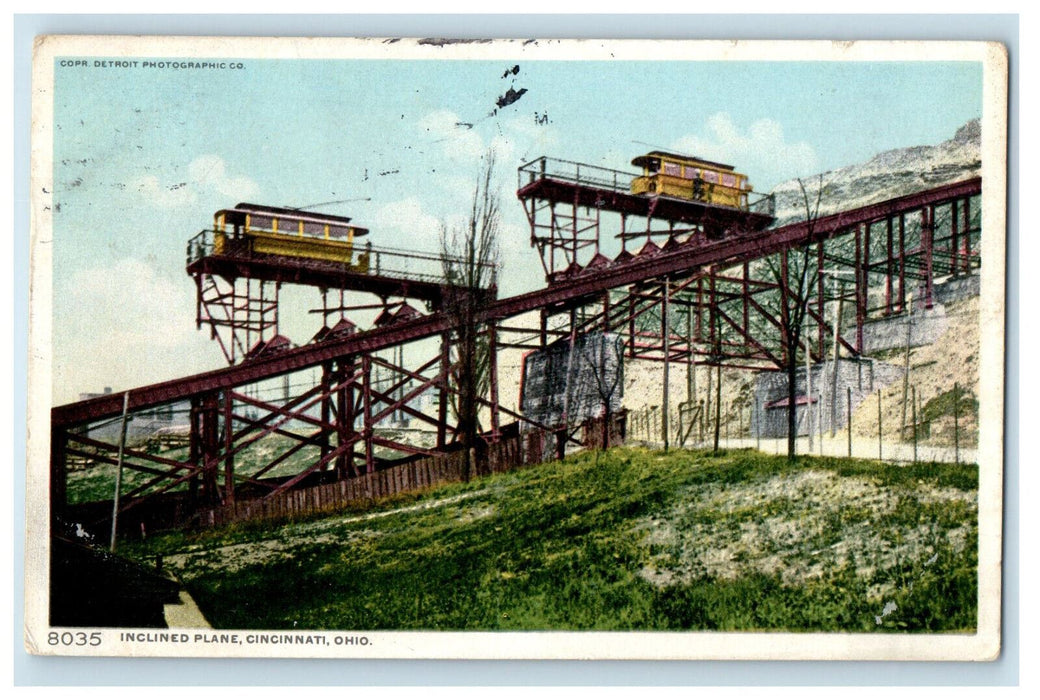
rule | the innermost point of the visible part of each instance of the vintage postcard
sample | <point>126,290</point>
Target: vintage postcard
<point>420,348</point>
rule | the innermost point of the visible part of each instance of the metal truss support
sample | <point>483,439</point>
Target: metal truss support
<point>229,458</point>
<point>442,393</point>
<point>206,429</point>
<point>335,427</point>
<point>345,418</point>
<point>241,313</point>
<point>927,242</point>
<point>860,286</point>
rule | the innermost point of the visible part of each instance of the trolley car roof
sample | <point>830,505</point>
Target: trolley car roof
<point>295,215</point>
<point>645,161</point>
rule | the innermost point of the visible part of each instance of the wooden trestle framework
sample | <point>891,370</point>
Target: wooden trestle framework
<point>705,292</point>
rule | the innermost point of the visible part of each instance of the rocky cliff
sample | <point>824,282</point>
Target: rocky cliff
<point>886,175</point>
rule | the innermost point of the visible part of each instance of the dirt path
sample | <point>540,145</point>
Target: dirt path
<point>862,448</point>
<point>237,555</point>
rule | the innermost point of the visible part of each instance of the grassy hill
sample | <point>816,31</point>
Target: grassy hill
<point>625,540</point>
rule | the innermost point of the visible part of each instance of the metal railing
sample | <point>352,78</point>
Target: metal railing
<point>382,261</point>
<point>545,168</point>
<point>763,204</point>
<point>571,171</point>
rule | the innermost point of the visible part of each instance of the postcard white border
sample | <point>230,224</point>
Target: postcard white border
<point>983,645</point>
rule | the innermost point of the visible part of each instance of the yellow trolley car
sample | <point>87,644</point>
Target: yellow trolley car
<point>686,177</point>
<point>288,232</point>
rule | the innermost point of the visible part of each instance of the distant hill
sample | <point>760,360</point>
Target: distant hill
<point>888,174</point>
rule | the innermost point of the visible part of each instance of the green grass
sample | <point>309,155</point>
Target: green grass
<point>949,403</point>
<point>97,482</point>
<point>625,540</point>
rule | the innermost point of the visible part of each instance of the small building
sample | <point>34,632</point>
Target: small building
<point>829,400</point>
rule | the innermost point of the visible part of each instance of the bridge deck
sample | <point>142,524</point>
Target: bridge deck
<point>661,207</point>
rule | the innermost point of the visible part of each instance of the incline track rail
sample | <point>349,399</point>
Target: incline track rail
<point>684,258</point>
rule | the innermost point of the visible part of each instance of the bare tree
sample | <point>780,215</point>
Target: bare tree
<point>607,369</point>
<point>469,257</point>
<point>796,273</point>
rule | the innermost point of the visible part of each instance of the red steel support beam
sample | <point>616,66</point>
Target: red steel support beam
<point>100,447</point>
<point>394,404</point>
<point>296,409</point>
<point>672,262</point>
<point>345,417</point>
<point>747,294</point>
<point>866,255</point>
<point>820,336</point>
<point>442,407</point>
<point>713,309</point>
<point>210,446</point>
<point>255,476</point>
<point>888,265</point>
<point>927,240</point>
<point>105,459</point>
<point>631,321</point>
<point>954,238</point>
<point>194,441</point>
<point>326,406</point>
<point>902,263</point>
<point>229,457</point>
<point>785,311</point>
<point>261,425</point>
<point>967,235</point>
<point>366,375</point>
<point>749,339</point>
<point>860,288</point>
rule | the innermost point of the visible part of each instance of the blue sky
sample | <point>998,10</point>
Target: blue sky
<point>143,157</point>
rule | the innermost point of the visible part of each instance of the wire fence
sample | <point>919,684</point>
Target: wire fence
<point>940,426</point>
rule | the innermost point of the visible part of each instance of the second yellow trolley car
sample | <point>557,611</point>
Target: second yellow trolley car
<point>687,177</point>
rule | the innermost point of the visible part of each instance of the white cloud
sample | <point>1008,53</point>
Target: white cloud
<point>205,176</point>
<point>123,325</point>
<point>128,302</point>
<point>406,217</point>
<point>519,265</point>
<point>760,151</point>
<point>209,173</point>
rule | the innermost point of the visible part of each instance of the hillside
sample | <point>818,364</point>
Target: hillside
<point>934,373</point>
<point>888,174</point>
<point>935,369</point>
<point>625,540</point>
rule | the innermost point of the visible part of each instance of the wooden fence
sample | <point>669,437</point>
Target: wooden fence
<point>514,449</point>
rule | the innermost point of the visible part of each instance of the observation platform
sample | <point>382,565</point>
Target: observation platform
<point>595,187</point>
<point>388,273</point>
